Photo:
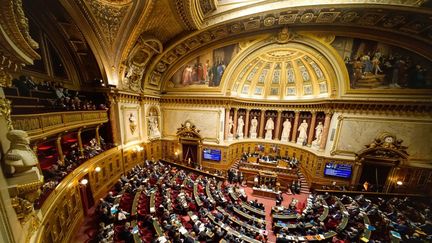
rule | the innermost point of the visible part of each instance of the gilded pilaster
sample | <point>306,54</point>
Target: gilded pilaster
<point>98,140</point>
<point>227,115</point>
<point>326,130</point>
<point>295,126</point>
<point>261,124</point>
<point>235,122</point>
<point>311,128</point>
<point>60,150</point>
<point>246,132</point>
<point>80,145</point>
<point>278,125</point>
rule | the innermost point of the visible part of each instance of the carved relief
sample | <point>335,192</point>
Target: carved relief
<point>188,130</point>
<point>5,111</point>
<point>108,16</point>
<point>132,123</point>
<point>138,60</point>
<point>16,45</point>
<point>207,6</point>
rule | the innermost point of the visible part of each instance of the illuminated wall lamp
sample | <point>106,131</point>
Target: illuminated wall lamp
<point>84,182</point>
<point>399,183</point>
<point>98,169</point>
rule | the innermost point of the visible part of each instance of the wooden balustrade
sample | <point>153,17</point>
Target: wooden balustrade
<point>46,124</point>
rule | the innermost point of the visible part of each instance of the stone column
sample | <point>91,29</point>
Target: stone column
<point>278,125</point>
<point>311,128</point>
<point>325,130</point>
<point>246,129</point>
<point>98,140</point>
<point>60,150</point>
<point>235,122</point>
<point>114,115</point>
<point>261,125</point>
<point>80,145</point>
<point>295,126</point>
<point>227,115</point>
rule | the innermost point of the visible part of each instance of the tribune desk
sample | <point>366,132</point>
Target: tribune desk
<point>264,193</point>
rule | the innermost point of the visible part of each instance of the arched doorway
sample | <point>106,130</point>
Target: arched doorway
<point>378,163</point>
<point>190,143</point>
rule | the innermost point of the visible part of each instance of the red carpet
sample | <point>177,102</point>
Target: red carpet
<point>269,203</point>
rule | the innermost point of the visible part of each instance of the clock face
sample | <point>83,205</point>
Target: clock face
<point>388,139</point>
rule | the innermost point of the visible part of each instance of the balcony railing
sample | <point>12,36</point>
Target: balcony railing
<point>45,124</point>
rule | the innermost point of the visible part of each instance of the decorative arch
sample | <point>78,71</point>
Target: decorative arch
<point>309,48</point>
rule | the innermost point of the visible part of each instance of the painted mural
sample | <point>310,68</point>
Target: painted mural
<point>375,65</point>
<point>206,70</point>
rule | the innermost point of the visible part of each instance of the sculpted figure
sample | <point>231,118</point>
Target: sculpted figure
<point>286,130</point>
<point>302,132</point>
<point>20,157</point>
<point>132,123</point>
<point>269,128</point>
<point>230,125</point>
<point>253,128</point>
<point>154,127</point>
<point>240,125</point>
<point>318,133</point>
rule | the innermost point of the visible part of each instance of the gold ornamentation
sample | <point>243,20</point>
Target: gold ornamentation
<point>269,21</point>
<point>235,28</point>
<point>5,110</point>
<point>287,19</point>
<point>108,16</point>
<point>188,130</point>
<point>371,18</point>
<point>22,207</point>
<point>327,17</point>
<point>5,78</point>
<point>23,24</point>
<point>348,17</point>
<point>306,18</point>
<point>284,36</point>
<point>207,6</point>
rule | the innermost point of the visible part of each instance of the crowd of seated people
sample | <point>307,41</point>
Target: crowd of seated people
<point>359,219</point>
<point>174,206</point>
<point>53,95</point>
<point>55,173</point>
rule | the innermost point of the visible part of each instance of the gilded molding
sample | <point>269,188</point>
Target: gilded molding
<point>327,106</point>
<point>351,16</point>
<point>5,110</point>
<point>17,46</point>
<point>45,124</point>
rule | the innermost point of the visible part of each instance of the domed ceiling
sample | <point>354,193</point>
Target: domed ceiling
<point>282,73</point>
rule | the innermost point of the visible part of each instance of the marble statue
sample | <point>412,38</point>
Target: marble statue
<point>154,126</point>
<point>240,125</point>
<point>253,127</point>
<point>269,127</point>
<point>132,123</point>
<point>286,130</point>
<point>20,158</point>
<point>230,127</point>
<point>318,132</point>
<point>302,138</point>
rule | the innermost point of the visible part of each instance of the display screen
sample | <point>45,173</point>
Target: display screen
<point>212,154</point>
<point>338,170</point>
